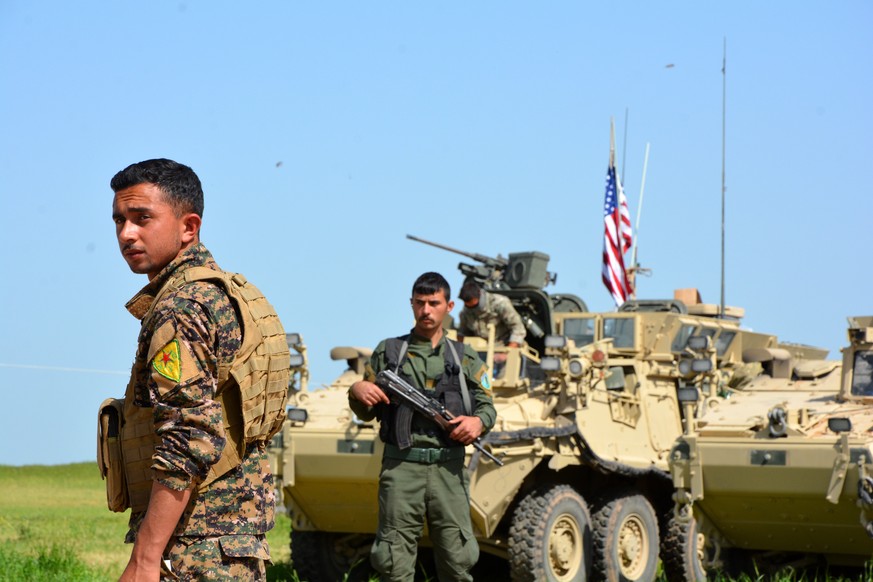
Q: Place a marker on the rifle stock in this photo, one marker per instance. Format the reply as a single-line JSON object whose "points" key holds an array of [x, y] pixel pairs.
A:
{"points": [[406, 393]]}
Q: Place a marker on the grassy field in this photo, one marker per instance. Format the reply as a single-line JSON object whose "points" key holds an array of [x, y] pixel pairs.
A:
{"points": [[55, 518], [54, 525]]}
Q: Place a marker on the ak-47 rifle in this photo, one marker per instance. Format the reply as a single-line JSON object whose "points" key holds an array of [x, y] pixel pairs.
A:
{"points": [[406, 393]]}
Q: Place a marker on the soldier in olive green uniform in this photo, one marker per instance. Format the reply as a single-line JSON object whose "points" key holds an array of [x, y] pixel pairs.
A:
{"points": [[216, 532], [423, 477]]}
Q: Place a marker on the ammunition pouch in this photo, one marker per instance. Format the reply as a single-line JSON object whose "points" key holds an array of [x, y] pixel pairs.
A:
{"points": [[109, 461]]}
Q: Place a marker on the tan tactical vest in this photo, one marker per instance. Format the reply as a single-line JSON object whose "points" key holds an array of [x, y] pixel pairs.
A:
{"points": [[252, 391]]}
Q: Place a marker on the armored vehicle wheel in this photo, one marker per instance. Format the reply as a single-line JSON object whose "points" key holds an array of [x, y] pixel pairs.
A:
{"points": [[683, 551], [550, 537], [625, 540], [330, 556]]}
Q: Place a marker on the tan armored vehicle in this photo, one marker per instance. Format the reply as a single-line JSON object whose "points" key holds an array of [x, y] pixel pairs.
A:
{"points": [[783, 467], [587, 415]]}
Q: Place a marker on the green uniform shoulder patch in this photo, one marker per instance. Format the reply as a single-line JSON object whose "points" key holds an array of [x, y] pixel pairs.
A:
{"points": [[168, 362]]}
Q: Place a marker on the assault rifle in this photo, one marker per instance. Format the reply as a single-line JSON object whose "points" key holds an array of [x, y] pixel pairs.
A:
{"points": [[406, 393]]}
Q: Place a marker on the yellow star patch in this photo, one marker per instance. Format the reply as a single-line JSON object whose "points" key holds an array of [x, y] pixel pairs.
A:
{"points": [[167, 362]]}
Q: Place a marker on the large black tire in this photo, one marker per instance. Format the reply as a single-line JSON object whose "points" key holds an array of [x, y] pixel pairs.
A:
{"points": [[682, 551], [550, 537], [328, 557], [625, 540]]}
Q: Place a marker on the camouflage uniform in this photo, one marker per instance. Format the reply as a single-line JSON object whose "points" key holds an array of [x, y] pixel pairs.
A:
{"points": [[497, 308], [221, 534], [412, 492]]}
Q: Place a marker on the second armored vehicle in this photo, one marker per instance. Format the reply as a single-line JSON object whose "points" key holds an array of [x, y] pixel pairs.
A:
{"points": [[784, 467]]}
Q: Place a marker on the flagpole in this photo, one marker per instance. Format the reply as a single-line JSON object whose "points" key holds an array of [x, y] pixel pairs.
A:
{"points": [[612, 141], [723, 188]]}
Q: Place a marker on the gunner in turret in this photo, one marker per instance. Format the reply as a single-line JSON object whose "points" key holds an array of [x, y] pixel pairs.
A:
{"points": [[482, 308]]}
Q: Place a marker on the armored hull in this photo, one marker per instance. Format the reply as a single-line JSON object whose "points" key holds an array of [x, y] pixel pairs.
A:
{"points": [[780, 469]]}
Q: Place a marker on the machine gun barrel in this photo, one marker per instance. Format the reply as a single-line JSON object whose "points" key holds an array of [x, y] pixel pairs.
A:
{"points": [[484, 259], [405, 392]]}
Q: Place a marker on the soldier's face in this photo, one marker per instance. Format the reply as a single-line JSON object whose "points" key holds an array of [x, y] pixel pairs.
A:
{"points": [[149, 233], [429, 312]]}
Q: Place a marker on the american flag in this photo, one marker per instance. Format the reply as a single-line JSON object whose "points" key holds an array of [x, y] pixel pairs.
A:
{"points": [[617, 237]]}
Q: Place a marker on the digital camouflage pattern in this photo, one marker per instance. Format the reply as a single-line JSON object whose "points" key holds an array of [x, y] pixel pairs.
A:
{"points": [[229, 558], [192, 331], [508, 326]]}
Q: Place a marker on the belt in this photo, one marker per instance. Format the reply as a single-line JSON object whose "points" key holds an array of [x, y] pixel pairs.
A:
{"points": [[427, 456]]}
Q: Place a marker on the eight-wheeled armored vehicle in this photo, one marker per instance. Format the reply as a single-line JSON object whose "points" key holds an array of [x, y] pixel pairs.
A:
{"points": [[780, 470], [588, 413]]}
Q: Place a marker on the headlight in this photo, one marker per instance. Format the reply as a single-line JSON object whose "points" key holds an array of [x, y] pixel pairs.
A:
{"points": [[700, 366], [685, 367], [550, 364], [555, 341], [685, 394], [298, 415], [576, 367], [296, 360], [293, 339]]}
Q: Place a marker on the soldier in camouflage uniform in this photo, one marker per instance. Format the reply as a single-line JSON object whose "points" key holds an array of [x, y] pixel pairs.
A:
{"points": [[482, 308], [188, 532], [423, 477]]}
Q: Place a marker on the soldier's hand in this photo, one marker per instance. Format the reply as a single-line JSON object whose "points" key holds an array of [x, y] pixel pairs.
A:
{"points": [[467, 429], [368, 393]]}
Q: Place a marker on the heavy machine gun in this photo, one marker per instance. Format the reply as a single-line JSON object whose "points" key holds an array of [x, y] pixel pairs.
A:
{"points": [[491, 270]]}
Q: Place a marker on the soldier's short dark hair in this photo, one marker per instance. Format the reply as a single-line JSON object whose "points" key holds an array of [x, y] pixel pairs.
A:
{"points": [[178, 182], [469, 290], [430, 283]]}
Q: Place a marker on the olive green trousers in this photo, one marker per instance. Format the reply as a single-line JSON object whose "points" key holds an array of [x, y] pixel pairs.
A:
{"points": [[412, 494]]}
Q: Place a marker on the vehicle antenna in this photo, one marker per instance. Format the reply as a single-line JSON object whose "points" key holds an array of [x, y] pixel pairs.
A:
{"points": [[624, 148], [640, 208], [723, 187], [635, 266]]}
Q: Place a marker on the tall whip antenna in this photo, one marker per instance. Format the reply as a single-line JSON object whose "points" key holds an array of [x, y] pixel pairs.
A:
{"points": [[639, 210], [624, 148], [723, 187]]}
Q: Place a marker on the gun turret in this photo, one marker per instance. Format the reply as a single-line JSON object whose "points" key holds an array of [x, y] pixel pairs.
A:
{"points": [[489, 273], [519, 271]]}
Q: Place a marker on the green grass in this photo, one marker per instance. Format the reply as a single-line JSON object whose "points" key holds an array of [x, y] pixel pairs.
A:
{"points": [[54, 525]]}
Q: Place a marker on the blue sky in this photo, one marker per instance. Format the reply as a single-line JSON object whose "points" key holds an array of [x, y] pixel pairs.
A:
{"points": [[325, 132]]}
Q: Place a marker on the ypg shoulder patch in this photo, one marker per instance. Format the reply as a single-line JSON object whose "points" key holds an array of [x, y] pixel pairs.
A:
{"points": [[167, 362]]}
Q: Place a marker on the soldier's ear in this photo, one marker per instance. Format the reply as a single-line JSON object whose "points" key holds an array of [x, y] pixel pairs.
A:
{"points": [[191, 228]]}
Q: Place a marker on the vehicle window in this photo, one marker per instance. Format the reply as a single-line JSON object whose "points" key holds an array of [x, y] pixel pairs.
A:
{"points": [[708, 331], [724, 341], [681, 338], [621, 330], [862, 374], [580, 331]]}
